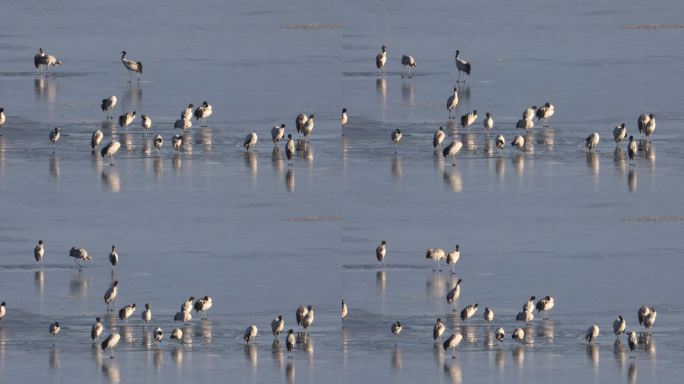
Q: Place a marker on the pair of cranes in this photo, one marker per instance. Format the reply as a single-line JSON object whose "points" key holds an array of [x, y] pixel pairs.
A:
{"points": [[43, 61]]}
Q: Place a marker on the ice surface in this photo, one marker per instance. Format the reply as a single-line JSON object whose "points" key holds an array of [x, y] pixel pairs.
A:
{"points": [[262, 237]]}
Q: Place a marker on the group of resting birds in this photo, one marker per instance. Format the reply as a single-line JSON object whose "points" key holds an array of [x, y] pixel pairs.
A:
{"points": [[646, 123], [304, 315], [646, 315]]}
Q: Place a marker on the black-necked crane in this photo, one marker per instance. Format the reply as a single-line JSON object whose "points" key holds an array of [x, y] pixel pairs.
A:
{"points": [[110, 294], [250, 333], [524, 316], [183, 316], [203, 112], [39, 251], [500, 142], [250, 141], [619, 133], [308, 127], [468, 119], [488, 315], [290, 342], [203, 304], [177, 142], [529, 113], [438, 330], [396, 330], [545, 304], [642, 120], [500, 334], [80, 255], [182, 124], [3, 310], [126, 119], [113, 257], [290, 148], [158, 142], [452, 150], [436, 255], [126, 312], [95, 140], [131, 66], [110, 342], [301, 311], [592, 333], [381, 59], [452, 257], [592, 141], [469, 311], [518, 143], [344, 119], [308, 319], [650, 318], [54, 330], [344, 311], [146, 315], [619, 326], [407, 61], [381, 252], [110, 150], [158, 335], [632, 149], [452, 102], [633, 341], [277, 134], [396, 138], [277, 326], [529, 304], [519, 335], [54, 137], [438, 138], [300, 120], [96, 329], [187, 304], [454, 294], [488, 122], [145, 122], [650, 126], [524, 123], [462, 66], [177, 334], [452, 342], [38, 59], [3, 118], [544, 113], [42, 59], [108, 105], [186, 114]]}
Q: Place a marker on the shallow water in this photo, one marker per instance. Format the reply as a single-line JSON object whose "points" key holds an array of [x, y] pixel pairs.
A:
{"points": [[262, 237]]}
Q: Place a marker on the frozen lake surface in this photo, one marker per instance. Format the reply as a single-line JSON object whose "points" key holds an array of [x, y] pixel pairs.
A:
{"points": [[263, 237]]}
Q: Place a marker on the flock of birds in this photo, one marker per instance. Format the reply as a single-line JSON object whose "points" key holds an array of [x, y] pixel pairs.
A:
{"points": [[646, 315], [305, 315], [304, 124]]}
